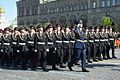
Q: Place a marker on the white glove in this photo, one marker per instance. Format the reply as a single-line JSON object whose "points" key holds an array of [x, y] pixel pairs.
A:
{"points": [[47, 50], [55, 49], [18, 51], [35, 50], [1, 50]]}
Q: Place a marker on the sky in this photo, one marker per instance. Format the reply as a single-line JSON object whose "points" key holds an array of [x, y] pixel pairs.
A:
{"points": [[10, 8]]}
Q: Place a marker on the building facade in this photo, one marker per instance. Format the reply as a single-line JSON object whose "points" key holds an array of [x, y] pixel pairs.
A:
{"points": [[66, 11]]}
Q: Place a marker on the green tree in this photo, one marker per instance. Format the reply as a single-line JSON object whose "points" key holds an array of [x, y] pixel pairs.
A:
{"points": [[117, 26], [106, 21]]}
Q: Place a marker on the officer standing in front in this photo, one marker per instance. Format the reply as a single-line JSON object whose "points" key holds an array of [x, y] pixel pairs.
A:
{"points": [[80, 48]]}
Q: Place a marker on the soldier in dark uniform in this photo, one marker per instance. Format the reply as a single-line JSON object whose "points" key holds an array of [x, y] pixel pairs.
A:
{"points": [[66, 44], [103, 44], [59, 45], [15, 46], [51, 48], [80, 49], [97, 44], [88, 47], [92, 43], [72, 42], [107, 43], [41, 43], [1, 45], [32, 54], [7, 48], [111, 41], [23, 47]]}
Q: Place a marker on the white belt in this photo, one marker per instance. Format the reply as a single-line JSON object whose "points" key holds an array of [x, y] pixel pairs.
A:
{"points": [[72, 41], [6, 43], [22, 43], [14, 42], [50, 42], [83, 41], [66, 41], [90, 40], [41, 42], [102, 40], [111, 38], [58, 41], [106, 39], [30, 42], [96, 39]]}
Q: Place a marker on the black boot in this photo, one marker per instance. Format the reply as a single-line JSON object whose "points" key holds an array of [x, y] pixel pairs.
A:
{"points": [[84, 70]]}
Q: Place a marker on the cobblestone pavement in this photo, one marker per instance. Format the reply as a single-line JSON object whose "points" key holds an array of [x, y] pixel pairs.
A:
{"points": [[104, 70]]}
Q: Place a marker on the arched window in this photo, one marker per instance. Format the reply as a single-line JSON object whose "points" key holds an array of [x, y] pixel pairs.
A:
{"points": [[53, 20], [28, 22], [21, 22], [114, 2], [72, 19], [34, 21], [62, 20]]}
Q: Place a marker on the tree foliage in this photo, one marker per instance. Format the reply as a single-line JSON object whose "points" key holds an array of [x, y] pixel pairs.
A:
{"points": [[106, 21]]}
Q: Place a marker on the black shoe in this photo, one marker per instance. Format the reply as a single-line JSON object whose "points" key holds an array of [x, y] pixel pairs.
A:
{"points": [[109, 58], [100, 59], [105, 58], [61, 66], [33, 69], [77, 63], [24, 68], [45, 70], [84, 70], [89, 61], [70, 68], [114, 57], [54, 68], [95, 60]]}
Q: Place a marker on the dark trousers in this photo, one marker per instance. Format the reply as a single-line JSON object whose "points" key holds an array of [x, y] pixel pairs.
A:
{"points": [[76, 56]]}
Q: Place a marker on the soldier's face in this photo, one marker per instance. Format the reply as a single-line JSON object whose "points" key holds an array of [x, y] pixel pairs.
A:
{"points": [[58, 28], [97, 30], [80, 28], [7, 31], [110, 29], [41, 29], [51, 29], [32, 30], [103, 30], [67, 29]]}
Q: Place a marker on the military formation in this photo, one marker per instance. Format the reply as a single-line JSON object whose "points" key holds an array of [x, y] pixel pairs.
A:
{"points": [[56, 46]]}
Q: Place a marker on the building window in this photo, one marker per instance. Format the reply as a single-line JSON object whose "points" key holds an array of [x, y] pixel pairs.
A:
{"points": [[108, 3], [34, 22], [94, 5], [28, 11], [103, 3], [113, 2]]}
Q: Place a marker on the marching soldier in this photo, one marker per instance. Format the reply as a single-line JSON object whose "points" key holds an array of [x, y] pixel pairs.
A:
{"points": [[88, 47], [32, 54], [72, 41], [23, 47], [59, 45], [7, 48], [97, 45], [15, 46], [111, 41], [1, 45], [107, 44], [51, 48], [41, 43], [80, 49], [103, 44], [66, 44]]}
